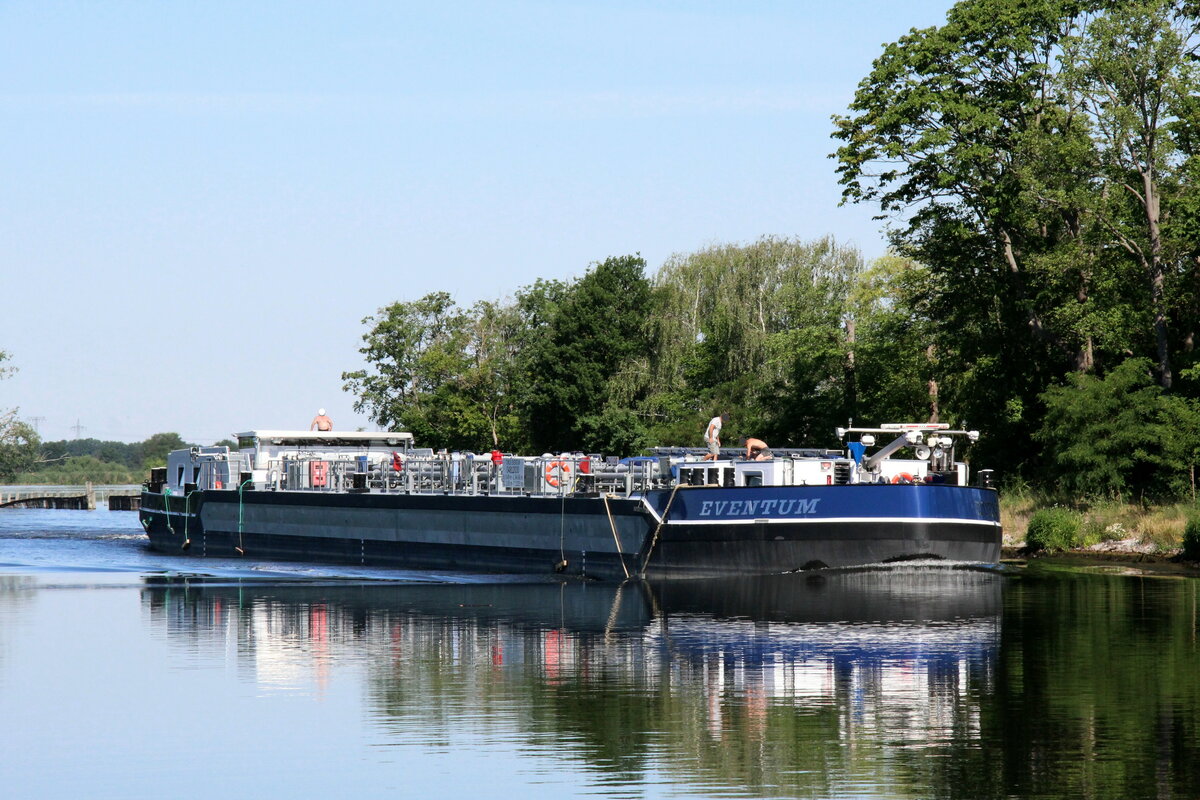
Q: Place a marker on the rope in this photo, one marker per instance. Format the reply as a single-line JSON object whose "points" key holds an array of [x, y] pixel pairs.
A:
{"points": [[612, 614], [241, 517], [562, 532], [187, 503], [167, 509], [657, 529], [613, 525]]}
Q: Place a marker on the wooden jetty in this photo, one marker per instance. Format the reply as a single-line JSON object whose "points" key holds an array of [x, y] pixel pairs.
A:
{"points": [[70, 497]]}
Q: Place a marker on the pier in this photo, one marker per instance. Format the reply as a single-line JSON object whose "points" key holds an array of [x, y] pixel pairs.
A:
{"points": [[83, 498]]}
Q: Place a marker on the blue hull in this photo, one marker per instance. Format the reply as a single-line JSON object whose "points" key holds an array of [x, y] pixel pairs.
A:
{"points": [[757, 530]]}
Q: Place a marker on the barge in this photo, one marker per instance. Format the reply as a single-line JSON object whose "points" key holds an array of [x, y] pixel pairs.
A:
{"points": [[376, 499]]}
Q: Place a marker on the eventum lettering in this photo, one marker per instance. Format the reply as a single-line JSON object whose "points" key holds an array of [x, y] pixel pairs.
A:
{"points": [[758, 508]]}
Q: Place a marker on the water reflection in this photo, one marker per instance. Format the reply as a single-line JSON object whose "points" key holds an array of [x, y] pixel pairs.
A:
{"points": [[779, 685], [16, 592]]}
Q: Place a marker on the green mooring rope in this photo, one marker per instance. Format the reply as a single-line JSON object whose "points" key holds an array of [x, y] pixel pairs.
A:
{"points": [[241, 514], [167, 509]]}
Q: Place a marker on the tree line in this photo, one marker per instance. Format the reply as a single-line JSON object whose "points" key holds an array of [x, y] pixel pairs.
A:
{"points": [[1037, 166], [616, 361], [135, 455]]}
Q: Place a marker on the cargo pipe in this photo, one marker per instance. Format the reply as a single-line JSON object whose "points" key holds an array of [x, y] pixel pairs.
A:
{"points": [[907, 438]]}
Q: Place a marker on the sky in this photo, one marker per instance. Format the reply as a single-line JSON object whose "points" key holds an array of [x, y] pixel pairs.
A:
{"points": [[202, 202]]}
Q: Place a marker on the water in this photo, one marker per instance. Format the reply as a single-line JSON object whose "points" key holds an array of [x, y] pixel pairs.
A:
{"points": [[125, 672]]}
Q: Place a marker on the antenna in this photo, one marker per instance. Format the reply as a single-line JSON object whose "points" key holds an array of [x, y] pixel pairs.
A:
{"points": [[78, 428], [36, 421]]}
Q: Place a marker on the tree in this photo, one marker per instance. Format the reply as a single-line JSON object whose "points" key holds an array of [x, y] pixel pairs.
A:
{"points": [[156, 448], [763, 331], [444, 374], [590, 347], [125, 453], [19, 442], [1134, 71], [19, 446], [1035, 159], [416, 351], [540, 371], [896, 370], [1120, 436]]}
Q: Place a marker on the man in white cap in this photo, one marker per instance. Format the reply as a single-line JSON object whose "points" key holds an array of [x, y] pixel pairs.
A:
{"points": [[321, 422]]}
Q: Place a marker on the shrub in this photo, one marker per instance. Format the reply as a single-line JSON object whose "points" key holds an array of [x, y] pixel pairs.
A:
{"points": [[1191, 539], [1053, 529], [1092, 531], [1120, 436]]}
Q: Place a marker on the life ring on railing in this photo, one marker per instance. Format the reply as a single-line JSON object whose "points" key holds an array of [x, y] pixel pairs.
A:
{"points": [[903, 477], [556, 471]]}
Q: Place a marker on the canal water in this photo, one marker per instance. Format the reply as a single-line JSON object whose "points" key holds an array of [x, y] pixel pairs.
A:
{"points": [[126, 673]]}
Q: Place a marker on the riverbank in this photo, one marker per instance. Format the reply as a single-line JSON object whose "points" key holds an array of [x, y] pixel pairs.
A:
{"points": [[1105, 526], [1115, 562], [1110, 534]]}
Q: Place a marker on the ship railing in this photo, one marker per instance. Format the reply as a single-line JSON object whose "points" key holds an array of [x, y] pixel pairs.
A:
{"points": [[469, 474]]}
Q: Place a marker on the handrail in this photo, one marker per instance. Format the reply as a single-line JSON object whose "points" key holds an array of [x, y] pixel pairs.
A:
{"points": [[466, 474]]}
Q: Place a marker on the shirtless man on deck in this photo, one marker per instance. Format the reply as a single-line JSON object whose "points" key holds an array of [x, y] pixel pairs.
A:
{"points": [[756, 449]]}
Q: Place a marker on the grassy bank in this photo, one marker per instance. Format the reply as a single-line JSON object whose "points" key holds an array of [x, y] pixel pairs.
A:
{"points": [[1105, 524]]}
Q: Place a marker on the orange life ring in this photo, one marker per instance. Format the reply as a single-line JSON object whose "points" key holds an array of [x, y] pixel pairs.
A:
{"points": [[555, 470], [903, 477]]}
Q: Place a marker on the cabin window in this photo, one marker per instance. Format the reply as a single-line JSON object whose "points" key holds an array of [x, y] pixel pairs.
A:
{"points": [[179, 477], [246, 443], [753, 478]]}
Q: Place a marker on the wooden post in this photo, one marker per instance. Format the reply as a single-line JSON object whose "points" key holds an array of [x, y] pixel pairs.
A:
{"points": [[91, 497]]}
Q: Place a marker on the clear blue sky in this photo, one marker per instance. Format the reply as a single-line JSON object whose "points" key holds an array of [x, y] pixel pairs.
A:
{"points": [[201, 201]]}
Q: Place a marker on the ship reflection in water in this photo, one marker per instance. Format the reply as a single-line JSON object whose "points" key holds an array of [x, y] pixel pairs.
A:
{"points": [[797, 684]]}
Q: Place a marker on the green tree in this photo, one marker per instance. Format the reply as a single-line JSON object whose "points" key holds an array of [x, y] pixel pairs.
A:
{"points": [[591, 345], [493, 378], [155, 449], [897, 376], [1133, 72], [764, 330], [416, 351], [1033, 156], [938, 128], [1121, 435], [128, 454], [19, 446], [445, 374], [19, 442]]}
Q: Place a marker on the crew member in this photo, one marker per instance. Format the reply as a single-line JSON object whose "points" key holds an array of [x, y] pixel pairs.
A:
{"points": [[712, 436], [321, 422], [756, 449]]}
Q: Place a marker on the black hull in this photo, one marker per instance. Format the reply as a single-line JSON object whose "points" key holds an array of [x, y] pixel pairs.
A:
{"points": [[707, 551], [501, 535], [577, 536]]}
